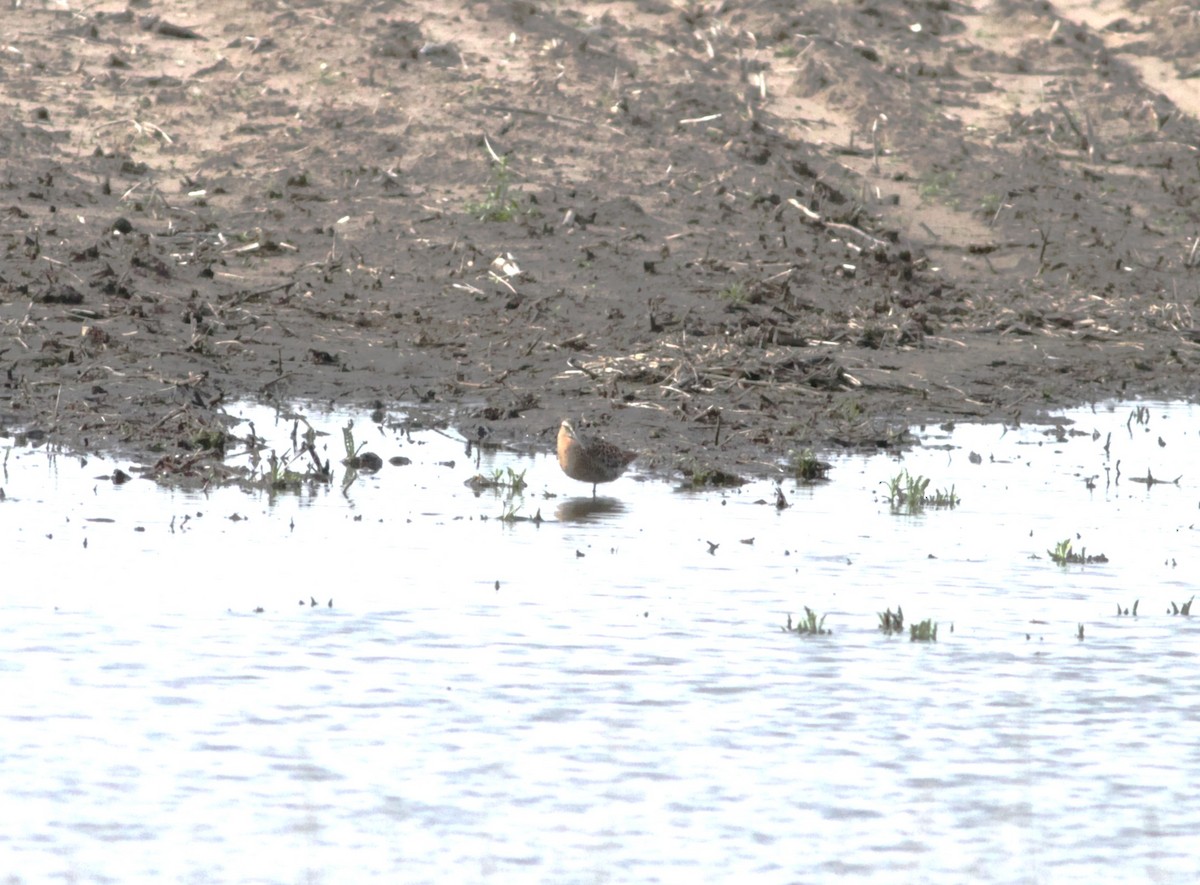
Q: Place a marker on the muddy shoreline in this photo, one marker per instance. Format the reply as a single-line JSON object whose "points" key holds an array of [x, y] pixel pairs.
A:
{"points": [[718, 235]]}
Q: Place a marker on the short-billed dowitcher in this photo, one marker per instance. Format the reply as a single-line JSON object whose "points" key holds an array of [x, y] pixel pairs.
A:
{"points": [[590, 460]]}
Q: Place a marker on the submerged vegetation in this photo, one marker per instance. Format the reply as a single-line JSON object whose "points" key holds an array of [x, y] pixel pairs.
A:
{"points": [[907, 494], [1063, 554], [892, 623], [807, 467], [809, 625], [925, 631], [1185, 609], [509, 483]]}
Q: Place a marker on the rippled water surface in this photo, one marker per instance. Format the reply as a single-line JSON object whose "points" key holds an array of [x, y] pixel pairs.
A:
{"points": [[608, 696]]}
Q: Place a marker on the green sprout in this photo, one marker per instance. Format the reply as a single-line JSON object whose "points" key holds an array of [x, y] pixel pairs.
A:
{"points": [[807, 467], [907, 494], [1063, 554], [498, 204], [926, 631], [891, 623], [809, 625]]}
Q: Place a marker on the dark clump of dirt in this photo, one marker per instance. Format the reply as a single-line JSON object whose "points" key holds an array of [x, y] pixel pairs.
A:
{"points": [[723, 232]]}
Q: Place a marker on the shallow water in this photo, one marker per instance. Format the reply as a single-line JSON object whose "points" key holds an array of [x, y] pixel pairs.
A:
{"points": [[623, 704]]}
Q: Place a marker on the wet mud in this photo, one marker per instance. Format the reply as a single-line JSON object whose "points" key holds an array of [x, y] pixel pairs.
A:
{"points": [[721, 234]]}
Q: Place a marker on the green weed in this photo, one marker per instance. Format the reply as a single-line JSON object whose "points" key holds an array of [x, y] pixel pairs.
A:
{"points": [[907, 494], [1063, 554], [498, 204], [926, 631], [1185, 609], [892, 623], [806, 466], [735, 293], [809, 625]]}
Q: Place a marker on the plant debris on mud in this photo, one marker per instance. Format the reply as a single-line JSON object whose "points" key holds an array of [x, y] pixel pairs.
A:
{"points": [[728, 231]]}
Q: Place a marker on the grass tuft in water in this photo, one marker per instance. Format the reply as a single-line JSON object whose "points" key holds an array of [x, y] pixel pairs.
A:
{"points": [[892, 623], [356, 459], [907, 494], [807, 467], [1185, 609], [1063, 554], [926, 631], [809, 625]]}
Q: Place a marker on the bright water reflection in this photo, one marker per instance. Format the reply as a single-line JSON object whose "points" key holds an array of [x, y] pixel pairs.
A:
{"points": [[624, 706]]}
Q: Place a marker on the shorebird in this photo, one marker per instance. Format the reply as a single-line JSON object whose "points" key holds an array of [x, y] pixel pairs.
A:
{"points": [[590, 460]]}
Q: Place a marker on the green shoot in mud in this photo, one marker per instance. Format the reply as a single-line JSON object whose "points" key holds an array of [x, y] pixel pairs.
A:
{"points": [[279, 476], [509, 479], [809, 625], [937, 185], [926, 631], [327, 76], [356, 459], [498, 203], [348, 441], [700, 477], [906, 494], [735, 294], [512, 485], [807, 467]]}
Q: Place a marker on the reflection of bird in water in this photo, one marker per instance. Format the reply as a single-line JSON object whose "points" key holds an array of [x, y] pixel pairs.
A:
{"points": [[590, 460]]}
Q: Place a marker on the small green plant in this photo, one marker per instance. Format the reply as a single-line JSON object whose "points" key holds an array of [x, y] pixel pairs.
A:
{"points": [[326, 76], [1185, 609], [849, 410], [990, 204], [809, 625], [735, 293], [348, 442], [702, 476], [906, 494], [278, 474], [1063, 554], [498, 204], [926, 631], [1127, 611], [509, 479], [892, 623], [506, 479], [512, 514], [807, 467], [937, 185]]}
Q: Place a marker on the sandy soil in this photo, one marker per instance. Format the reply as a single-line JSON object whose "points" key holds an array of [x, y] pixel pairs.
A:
{"points": [[720, 232]]}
